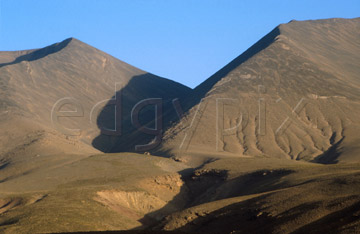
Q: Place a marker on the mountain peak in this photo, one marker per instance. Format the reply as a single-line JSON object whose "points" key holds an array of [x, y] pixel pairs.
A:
{"points": [[316, 61], [35, 54], [71, 40]]}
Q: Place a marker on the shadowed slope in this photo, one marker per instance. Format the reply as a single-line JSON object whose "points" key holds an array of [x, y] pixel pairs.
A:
{"points": [[140, 88]]}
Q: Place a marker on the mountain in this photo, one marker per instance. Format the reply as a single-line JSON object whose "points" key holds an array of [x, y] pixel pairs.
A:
{"points": [[295, 94], [71, 76], [78, 81], [268, 144]]}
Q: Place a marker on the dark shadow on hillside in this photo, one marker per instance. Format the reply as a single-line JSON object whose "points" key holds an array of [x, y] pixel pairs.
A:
{"points": [[139, 89], [240, 217], [39, 53], [149, 86], [203, 186], [332, 154], [334, 222]]}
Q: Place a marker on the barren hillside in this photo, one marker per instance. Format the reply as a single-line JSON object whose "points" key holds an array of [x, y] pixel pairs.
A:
{"points": [[38, 85], [268, 144], [295, 94]]}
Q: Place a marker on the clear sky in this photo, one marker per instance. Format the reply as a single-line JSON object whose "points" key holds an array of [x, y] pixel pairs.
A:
{"points": [[184, 40]]}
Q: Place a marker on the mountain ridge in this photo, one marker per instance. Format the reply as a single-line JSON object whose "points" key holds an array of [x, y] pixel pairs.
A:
{"points": [[269, 143], [294, 41]]}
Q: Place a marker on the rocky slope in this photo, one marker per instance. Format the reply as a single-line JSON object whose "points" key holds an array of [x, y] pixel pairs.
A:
{"points": [[295, 94]]}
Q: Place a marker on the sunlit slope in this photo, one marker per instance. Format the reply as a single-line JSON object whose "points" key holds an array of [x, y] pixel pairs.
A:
{"points": [[295, 94]]}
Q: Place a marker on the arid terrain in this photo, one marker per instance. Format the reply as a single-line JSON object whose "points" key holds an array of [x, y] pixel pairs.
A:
{"points": [[268, 144]]}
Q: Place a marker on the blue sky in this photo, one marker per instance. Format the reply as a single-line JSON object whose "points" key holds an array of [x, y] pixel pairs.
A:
{"points": [[183, 40]]}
